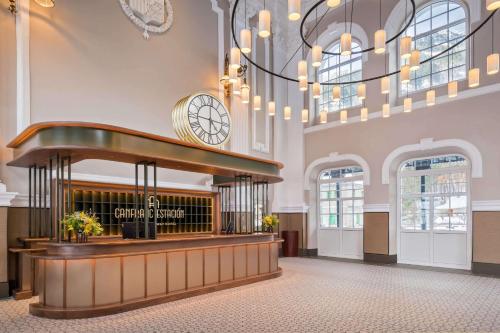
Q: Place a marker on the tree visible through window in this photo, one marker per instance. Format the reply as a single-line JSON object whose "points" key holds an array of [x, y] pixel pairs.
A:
{"points": [[436, 27]]}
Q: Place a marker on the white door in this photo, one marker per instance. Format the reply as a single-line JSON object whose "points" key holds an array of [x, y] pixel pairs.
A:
{"points": [[434, 213], [340, 232]]}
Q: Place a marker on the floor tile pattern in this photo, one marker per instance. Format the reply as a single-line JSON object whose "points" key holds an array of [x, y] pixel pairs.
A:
{"points": [[313, 295]]}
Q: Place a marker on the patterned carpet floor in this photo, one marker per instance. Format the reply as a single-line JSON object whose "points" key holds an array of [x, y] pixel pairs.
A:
{"points": [[313, 295]]}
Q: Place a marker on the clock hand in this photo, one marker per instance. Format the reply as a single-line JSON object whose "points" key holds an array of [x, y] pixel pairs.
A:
{"points": [[215, 121]]}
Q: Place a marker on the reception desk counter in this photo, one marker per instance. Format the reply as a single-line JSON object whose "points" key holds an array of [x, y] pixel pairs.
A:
{"points": [[105, 277]]}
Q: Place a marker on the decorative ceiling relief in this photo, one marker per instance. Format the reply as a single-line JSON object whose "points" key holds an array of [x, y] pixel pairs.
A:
{"points": [[151, 15]]}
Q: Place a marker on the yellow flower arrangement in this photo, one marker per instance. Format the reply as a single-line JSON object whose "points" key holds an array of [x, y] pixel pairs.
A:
{"points": [[270, 221], [82, 223]]}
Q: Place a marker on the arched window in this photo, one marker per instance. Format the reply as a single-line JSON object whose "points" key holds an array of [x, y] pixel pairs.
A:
{"points": [[340, 69], [341, 198], [437, 26]]}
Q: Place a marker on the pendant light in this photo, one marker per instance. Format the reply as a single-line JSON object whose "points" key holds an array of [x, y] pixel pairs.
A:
{"points": [[364, 114], [474, 71], [386, 110], [245, 92], [264, 22], [346, 38], [415, 60], [323, 116], [492, 4], [246, 41], [302, 69], [293, 10], [452, 89], [271, 108], [385, 83], [431, 97], [405, 42], [336, 93], [333, 3], [361, 91], [237, 87], [493, 60], [305, 115], [287, 113], [316, 90], [317, 51], [303, 84], [235, 58], [257, 103], [233, 75], [343, 116], [407, 104], [380, 35], [405, 74]]}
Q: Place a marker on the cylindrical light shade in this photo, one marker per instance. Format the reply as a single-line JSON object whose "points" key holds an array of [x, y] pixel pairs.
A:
{"points": [[333, 3], [305, 115], [316, 90], [264, 23], [345, 44], [287, 113], [303, 85], [405, 47], [336, 93], [452, 89], [45, 3], [245, 93], [361, 91], [415, 60], [257, 105], [386, 110], [431, 97], [246, 41], [493, 63], [271, 108], [364, 114], [237, 87], [405, 74], [317, 55], [235, 57], [474, 77], [293, 10], [407, 104], [492, 4], [323, 116], [385, 85], [380, 39], [233, 74], [302, 69], [343, 116]]}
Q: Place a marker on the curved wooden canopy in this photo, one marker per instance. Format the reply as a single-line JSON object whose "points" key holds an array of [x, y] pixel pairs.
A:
{"points": [[81, 141]]}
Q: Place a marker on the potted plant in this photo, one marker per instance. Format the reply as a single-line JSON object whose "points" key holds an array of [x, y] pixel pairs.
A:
{"points": [[269, 222], [82, 225]]}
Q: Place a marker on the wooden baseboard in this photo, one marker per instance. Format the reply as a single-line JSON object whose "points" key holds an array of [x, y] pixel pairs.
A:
{"points": [[22, 294], [4, 289], [308, 252], [380, 258], [486, 269], [40, 310]]}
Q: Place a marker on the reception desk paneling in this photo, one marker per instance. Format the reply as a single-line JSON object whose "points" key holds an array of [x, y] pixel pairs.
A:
{"points": [[74, 287]]}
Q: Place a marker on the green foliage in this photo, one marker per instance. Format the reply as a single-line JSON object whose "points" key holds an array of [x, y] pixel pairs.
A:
{"points": [[270, 221], [81, 222]]}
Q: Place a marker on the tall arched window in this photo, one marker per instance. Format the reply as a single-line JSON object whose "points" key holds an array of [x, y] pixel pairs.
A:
{"points": [[437, 26], [340, 69]]}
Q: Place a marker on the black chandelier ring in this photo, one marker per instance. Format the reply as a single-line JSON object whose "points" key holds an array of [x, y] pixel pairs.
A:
{"points": [[470, 34], [309, 12]]}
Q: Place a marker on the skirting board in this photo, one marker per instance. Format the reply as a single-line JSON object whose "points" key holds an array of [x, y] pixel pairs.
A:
{"points": [[380, 258], [308, 252], [4, 289], [486, 269]]}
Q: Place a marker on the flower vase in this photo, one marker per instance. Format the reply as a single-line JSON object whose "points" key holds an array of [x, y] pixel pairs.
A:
{"points": [[270, 229], [69, 236]]}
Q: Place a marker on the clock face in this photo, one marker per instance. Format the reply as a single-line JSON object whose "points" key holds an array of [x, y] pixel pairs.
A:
{"points": [[208, 120]]}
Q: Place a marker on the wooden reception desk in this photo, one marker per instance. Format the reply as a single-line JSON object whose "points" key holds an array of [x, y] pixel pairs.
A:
{"points": [[105, 277]]}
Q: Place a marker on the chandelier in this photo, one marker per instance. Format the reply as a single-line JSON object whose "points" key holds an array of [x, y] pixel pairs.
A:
{"points": [[411, 58]]}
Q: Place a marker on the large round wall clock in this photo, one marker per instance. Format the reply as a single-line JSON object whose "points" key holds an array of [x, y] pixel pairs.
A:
{"points": [[202, 119]]}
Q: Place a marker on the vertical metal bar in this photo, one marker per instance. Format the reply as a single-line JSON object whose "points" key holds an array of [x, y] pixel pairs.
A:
{"points": [[246, 208], [136, 200], [56, 205], [39, 231], [70, 208], [45, 219], [146, 208], [51, 200], [29, 201], [35, 210], [61, 198], [155, 190]]}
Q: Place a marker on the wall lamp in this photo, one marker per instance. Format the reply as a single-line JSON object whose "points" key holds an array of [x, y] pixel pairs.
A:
{"points": [[43, 3], [232, 75]]}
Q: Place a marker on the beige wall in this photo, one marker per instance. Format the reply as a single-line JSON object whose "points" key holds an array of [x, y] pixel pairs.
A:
{"points": [[89, 62]]}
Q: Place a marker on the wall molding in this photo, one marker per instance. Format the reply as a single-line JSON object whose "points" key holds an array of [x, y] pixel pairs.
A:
{"points": [[317, 165], [486, 206], [471, 152], [6, 197], [23, 93], [376, 208], [220, 32], [292, 209], [395, 110]]}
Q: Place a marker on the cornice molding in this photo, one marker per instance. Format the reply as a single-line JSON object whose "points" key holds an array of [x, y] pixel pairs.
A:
{"points": [[486, 206]]}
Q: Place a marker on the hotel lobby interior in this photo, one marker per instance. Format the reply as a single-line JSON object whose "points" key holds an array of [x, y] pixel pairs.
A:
{"points": [[249, 166]]}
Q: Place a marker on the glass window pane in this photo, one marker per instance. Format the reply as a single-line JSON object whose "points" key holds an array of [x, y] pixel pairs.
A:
{"points": [[415, 214], [347, 221]]}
